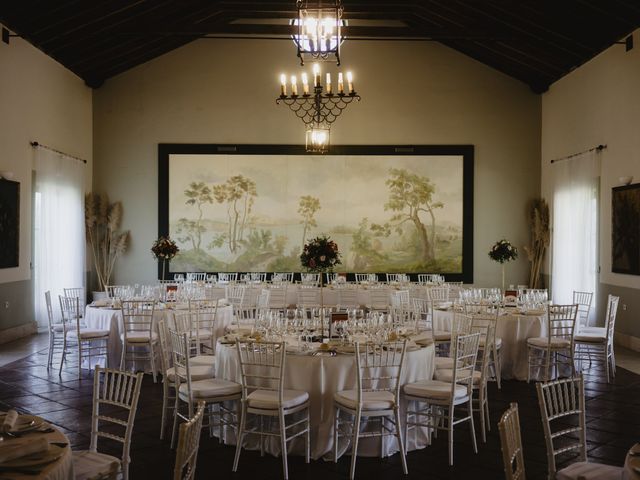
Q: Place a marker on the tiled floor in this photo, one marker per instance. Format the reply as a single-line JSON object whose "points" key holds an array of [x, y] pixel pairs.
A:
{"points": [[12, 351], [613, 417]]}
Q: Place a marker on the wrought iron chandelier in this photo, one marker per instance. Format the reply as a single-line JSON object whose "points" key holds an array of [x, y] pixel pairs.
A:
{"points": [[318, 29], [320, 108]]}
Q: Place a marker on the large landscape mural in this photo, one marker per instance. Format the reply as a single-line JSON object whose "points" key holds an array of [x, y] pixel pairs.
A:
{"points": [[234, 212]]}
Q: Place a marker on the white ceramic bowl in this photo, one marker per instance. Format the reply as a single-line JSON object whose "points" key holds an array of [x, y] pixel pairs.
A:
{"points": [[625, 180]]}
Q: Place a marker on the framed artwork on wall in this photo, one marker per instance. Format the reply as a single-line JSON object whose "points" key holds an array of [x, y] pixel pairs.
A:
{"points": [[244, 208], [9, 223], [625, 229]]}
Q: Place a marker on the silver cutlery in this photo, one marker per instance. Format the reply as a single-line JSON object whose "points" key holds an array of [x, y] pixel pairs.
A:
{"points": [[19, 434]]}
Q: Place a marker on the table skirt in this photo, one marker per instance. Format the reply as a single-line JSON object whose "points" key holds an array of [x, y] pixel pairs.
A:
{"points": [[321, 377], [514, 330]]}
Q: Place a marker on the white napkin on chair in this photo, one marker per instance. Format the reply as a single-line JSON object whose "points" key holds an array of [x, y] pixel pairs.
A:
{"points": [[11, 450], [9, 422]]}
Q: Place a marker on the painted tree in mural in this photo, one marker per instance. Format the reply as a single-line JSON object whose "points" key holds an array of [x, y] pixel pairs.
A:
{"points": [[189, 231], [410, 195], [239, 193], [307, 208], [362, 248], [197, 194]]}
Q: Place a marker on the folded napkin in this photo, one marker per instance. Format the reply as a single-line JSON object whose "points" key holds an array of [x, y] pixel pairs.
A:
{"points": [[420, 337], [9, 422], [13, 449], [411, 345], [104, 302], [360, 338], [223, 302], [444, 305]]}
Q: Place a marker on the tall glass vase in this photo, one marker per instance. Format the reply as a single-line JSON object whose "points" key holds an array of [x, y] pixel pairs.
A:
{"points": [[502, 277], [322, 313]]}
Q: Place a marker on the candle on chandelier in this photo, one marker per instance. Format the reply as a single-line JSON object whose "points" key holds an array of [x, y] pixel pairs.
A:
{"points": [[305, 84], [316, 75], [328, 83], [283, 85], [294, 85], [340, 83], [350, 82]]}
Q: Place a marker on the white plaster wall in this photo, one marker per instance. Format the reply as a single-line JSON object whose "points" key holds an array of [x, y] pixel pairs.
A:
{"points": [[599, 103], [223, 91], [43, 101]]}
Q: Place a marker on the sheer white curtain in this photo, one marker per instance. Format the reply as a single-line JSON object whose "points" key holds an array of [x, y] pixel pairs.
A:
{"points": [[575, 226], [58, 228]]}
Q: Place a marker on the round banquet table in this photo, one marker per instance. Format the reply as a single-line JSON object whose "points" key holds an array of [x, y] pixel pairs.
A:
{"points": [[60, 469], [321, 377], [631, 469], [106, 318], [514, 329]]}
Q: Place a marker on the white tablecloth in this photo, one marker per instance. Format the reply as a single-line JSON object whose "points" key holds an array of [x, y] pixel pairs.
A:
{"points": [[111, 319], [321, 377], [632, 464], [61, 469], [514, 330]]}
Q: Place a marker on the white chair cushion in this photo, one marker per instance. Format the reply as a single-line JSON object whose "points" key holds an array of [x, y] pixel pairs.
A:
{"points": [[441, 336], [57, 327], [198, 372], [588, 337], [268, 399], [444, 362], [434, 389], [239, 329], [593, 330], [543, 342], [211, 388], [589, 471], [140, 337], [446, 375], [381, 400], [88, 333], [206, 360], [88, 464]]}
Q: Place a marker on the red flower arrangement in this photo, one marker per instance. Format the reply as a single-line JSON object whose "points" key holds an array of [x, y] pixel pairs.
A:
{"points": [[320, 254], [164, 248]]}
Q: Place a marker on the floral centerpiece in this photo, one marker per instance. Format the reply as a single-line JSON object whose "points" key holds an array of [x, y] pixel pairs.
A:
{"points": [[503, 252], [320, 255], [164, 249]]}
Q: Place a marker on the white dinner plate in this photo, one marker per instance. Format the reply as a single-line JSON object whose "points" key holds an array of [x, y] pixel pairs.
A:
{"points": [[25, 422], [35, 459]]}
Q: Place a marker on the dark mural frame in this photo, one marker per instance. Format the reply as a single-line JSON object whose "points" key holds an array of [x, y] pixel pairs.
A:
{"points": [[9, 223], [625, 229], [165, 150]]}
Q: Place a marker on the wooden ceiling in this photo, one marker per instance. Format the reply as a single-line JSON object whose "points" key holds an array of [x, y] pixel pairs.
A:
{"points": [[535, 41]]}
